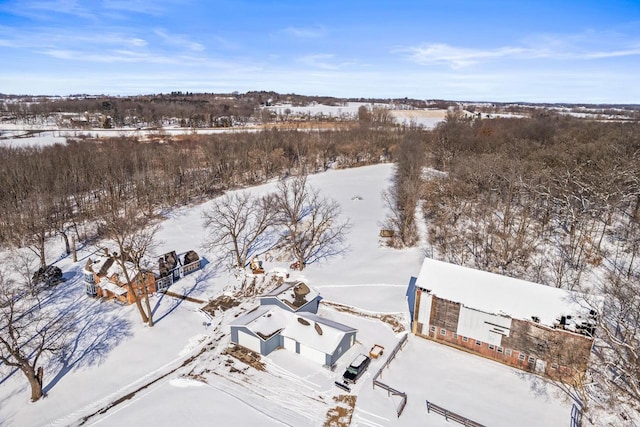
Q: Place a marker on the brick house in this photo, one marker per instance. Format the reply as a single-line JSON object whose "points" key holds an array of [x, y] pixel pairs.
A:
{"points": [[104, 278], [525, 325]]}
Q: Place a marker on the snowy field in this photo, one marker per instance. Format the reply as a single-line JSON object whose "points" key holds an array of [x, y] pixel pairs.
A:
{"points": [[427, 119], [26, 138], [177, 372]]}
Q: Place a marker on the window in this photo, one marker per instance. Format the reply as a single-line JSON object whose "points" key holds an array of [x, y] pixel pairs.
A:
{"points": [[492, 347], [499, 349], [554, 366], [508, 352], [433, 329], [521, 357], [478, 342], [465, 339], [455, 336], [443, 331], [532, 359]]}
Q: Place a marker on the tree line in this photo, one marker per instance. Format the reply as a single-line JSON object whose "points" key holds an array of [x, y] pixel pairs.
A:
{"points": [[65, 190]]}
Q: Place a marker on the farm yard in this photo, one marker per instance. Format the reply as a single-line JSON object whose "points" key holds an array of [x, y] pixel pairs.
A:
{"points": [[122, 372]]}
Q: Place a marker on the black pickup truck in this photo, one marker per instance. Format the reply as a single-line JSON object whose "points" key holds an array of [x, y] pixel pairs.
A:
{"points": [[356, 369]]}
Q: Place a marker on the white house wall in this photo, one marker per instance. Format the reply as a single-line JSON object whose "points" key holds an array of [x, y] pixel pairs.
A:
{"points": [[289, 344], [483, 326], [249, 341], [313, 354]]}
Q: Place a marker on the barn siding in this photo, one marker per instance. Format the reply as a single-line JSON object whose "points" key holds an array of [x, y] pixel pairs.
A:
{"points": [[444, 314], [563, 353]]}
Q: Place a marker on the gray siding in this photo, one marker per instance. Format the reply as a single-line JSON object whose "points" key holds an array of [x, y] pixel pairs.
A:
{"points": [[341, 348], [266, 347], [271, 344]]}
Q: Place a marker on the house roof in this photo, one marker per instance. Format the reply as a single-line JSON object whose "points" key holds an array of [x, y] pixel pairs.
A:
{"points": [[497, 294], [306, 328], [112, 287], [265, 321], [105, 266], [294, 294]]}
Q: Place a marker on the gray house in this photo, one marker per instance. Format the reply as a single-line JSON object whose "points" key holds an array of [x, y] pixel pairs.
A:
{"points": [[293, 297], [270, 327]]}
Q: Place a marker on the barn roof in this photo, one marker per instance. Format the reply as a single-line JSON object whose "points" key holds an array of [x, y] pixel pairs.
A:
{"points": [[497, 294]]}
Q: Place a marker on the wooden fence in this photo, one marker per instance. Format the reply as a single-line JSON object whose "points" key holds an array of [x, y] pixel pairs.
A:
{"points": [[448, 415], [390, 390]]}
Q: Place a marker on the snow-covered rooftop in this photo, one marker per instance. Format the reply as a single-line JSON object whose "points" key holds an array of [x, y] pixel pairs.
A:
{"points": [[294, 294], [105, 266], [112, 287], [306, 328], [497, 294]]}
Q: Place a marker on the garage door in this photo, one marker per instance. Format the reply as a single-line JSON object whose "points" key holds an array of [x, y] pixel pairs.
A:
{"points": [[313, 354], [249, 341], [290, 344]]}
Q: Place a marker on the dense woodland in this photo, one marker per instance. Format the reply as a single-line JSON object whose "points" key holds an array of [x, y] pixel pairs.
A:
{"points": [[545, 199]]}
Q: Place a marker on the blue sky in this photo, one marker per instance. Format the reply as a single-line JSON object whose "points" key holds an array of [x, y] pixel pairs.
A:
{"points": [[538, 51]]}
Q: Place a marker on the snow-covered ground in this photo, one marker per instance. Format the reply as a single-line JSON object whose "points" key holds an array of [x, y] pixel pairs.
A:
{"points": [[348, 110], [427, 119], [116, 356], [24, 138]]}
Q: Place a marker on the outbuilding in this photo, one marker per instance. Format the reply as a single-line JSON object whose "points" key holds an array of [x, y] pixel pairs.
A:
{"points": [[269, 327], [526, 325]]}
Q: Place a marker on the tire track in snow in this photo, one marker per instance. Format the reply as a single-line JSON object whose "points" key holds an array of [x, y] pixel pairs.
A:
{"points": [[81, 415]]}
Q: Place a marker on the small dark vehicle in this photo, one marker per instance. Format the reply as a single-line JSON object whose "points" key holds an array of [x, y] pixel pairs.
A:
{"points": [[47, 277], [356, 369]]}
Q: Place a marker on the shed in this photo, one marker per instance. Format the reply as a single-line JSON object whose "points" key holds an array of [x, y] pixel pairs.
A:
{"points": [[516, 322]]}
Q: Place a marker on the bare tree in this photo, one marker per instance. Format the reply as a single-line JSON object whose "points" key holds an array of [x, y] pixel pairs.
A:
{"points": [[239, 223], [314, 230], [30, 330], [616, 369], [134, 239]]}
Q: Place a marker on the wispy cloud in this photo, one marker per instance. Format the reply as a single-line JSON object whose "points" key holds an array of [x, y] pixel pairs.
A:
{"points": [[576, 47], [45, 10], [325, 61], [458, 57], [56, 38], [147, 7], [179, 40], [305, 32], [135, 58]]}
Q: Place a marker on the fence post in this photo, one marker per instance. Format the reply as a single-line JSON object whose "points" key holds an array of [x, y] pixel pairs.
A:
{"points": [[428, 408]]}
